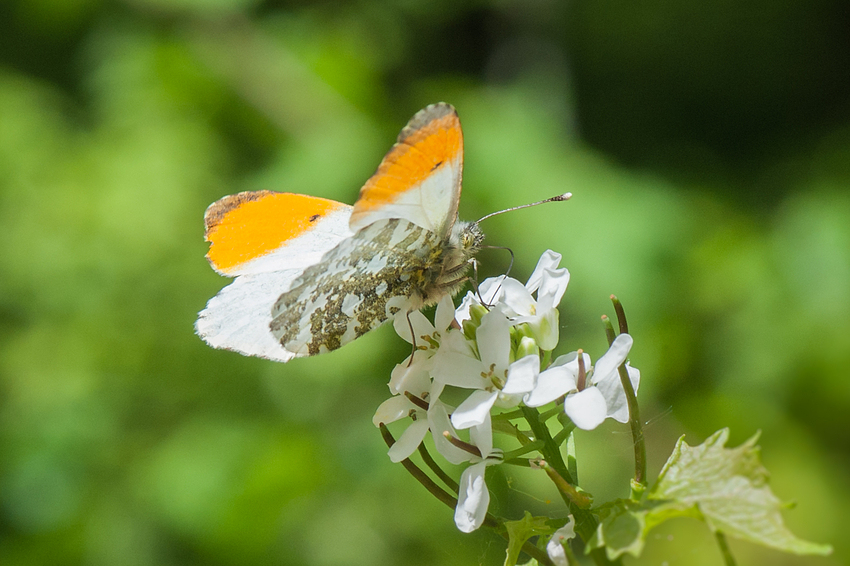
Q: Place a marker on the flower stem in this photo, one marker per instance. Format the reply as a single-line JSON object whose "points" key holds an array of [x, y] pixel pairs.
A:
{"points": [[550, 450], [586, 522], [621, 315], [429, 461], [728, 559], [530, 447], [638, 440], [578, 498], [634, 422], [565, 432], [427, 482]]}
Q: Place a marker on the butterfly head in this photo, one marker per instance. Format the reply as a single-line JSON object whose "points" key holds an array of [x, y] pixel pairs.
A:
{"points": [[468, 236]]}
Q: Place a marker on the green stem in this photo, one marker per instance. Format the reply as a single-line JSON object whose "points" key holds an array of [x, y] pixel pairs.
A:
{"points": [[634, 422], [550, 450], [728, 559], [571, 456], [586, 522], [564, 434], [530, 447], [558, 409], [638, 441], [578, 498]]}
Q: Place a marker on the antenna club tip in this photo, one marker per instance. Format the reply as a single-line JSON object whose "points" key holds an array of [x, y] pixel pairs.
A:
{"points": [[565, 196]]}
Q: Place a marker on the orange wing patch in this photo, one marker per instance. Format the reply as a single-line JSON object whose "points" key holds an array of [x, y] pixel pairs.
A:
{"points": [[249, 225], [430, 140]]}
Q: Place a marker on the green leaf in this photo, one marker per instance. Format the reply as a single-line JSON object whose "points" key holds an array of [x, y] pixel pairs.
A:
{"points": [[728, 487], [725, 487], [522, 530], [622, 529]]}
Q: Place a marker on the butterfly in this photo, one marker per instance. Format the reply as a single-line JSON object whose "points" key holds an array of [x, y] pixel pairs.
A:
{"points": [[312, 274]]}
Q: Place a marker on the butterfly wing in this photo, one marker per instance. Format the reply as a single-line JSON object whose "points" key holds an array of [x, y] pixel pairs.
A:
{"points": [[356, 287], [419, 179], [262, 231], [265, 239]]}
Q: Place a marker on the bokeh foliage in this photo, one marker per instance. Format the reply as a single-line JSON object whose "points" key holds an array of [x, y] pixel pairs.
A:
{"points": [[708, 149]]}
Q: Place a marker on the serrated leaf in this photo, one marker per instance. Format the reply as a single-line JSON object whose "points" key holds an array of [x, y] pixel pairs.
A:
{"points": [[522, 530], [728, 487]]}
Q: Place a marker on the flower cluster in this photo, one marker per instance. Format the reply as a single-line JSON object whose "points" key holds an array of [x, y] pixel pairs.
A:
{"points": [[496, 346]]}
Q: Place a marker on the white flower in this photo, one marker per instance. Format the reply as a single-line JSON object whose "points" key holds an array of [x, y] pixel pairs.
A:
{"points": [[493, 377], [436, 419], [549, 283], [456, 364], [555, 548], [396, 408], [515, 300], [428, 338], [604, 396], [473, 497], [555, 381]]}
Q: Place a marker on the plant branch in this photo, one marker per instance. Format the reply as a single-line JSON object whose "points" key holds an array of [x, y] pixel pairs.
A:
{"points": [[728, 559], [638, 441]]}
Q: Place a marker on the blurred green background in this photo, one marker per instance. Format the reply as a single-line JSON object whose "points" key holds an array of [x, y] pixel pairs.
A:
{"points": [[708, 148]]}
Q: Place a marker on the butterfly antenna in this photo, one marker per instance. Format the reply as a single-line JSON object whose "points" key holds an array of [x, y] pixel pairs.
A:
{"points": [[559, 198]]}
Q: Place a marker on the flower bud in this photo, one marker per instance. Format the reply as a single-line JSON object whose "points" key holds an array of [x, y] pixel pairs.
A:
{"points": [[527, 347]]}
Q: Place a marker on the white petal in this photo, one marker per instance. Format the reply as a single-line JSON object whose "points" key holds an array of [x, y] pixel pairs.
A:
{"points": [[549, 260], [414, 376], [475, 410], [552, 287], [554, 548], [438, 420], [615, 397], [482, 436], [462, 311], [587, 408], [445, 314], [494, 340], [613, 358], [454, 341], [634, 376], [545, 329], [522, 375], [392, 409], [517, 298], [455, 369], [473, 498], [409, 440], [551, 384], [421, 327], [489, 289]]}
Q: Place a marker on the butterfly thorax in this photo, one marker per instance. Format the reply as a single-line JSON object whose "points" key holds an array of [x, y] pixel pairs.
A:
{"points": [[451, 265]]}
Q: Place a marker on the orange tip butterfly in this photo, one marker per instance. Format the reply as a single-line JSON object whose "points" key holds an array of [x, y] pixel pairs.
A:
{"points": [[313, 274]]}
